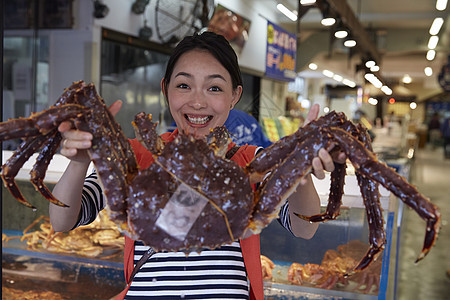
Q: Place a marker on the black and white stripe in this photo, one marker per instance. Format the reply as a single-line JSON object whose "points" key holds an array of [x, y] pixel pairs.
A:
{"points": [[210, 274]]}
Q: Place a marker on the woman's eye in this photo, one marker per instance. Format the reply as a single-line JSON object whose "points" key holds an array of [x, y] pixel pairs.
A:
{"points": [[182, 86], [215, 89]]}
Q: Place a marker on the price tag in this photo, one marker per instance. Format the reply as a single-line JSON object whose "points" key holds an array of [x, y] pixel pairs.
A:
{"points": [[181, 212]]}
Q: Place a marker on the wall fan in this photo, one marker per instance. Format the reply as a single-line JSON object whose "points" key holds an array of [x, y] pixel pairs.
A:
{"points": [[176, 19]]}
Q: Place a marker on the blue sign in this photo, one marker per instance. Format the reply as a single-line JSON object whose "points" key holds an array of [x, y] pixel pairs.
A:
{"points": [[281, 53]]}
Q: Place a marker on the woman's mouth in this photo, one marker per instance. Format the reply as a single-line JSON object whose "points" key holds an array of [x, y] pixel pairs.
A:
{"points": [[198, 120]]}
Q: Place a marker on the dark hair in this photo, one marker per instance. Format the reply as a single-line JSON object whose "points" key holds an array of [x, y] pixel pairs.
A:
{"points": [[215, 44]]}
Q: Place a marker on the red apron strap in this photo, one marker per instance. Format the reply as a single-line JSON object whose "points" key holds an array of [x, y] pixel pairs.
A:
{"points": [[128, 264], [252, 259]]}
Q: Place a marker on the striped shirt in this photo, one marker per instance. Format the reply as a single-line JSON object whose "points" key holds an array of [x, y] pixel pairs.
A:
{"points": [[211, 274]]}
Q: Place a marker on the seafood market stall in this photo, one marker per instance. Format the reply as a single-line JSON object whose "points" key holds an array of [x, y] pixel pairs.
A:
{"points": [[37, 263], [313, 269]]}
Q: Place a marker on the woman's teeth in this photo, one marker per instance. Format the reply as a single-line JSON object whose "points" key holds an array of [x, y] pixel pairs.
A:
{"points": [[201, 120]]}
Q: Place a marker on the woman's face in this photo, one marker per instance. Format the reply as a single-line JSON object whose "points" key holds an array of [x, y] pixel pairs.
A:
{"points": [[200, 93]]}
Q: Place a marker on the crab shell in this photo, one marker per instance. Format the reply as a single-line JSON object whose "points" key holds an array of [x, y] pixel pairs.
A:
{"points": [[210, 194]]}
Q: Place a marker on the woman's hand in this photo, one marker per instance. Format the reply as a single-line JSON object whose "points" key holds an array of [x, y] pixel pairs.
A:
{"points": [[75, 142], [324, 161]]}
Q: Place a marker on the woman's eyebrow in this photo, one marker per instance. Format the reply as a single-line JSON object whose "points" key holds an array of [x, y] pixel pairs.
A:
{"points": [[183, 74], [212, 76]]}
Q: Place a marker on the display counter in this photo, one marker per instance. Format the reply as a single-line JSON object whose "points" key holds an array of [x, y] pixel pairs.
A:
{"points": [[37, 275]]}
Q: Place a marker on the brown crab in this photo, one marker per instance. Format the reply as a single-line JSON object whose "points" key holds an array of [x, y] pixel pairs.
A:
{"points": [[191, 175]]}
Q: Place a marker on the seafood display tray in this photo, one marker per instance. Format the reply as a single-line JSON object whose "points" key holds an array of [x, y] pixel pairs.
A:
{"points": [[284, 249], [67, 276]]}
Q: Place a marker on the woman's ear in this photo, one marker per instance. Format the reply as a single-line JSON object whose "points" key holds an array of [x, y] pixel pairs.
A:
{"points": [[162, 88], [236, 96]]}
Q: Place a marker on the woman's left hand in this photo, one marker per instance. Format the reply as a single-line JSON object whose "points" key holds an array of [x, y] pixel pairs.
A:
{"points": [[324, 161]]}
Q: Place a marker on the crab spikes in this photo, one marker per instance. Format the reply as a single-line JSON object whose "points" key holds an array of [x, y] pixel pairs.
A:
{"points": [[39, 123]]}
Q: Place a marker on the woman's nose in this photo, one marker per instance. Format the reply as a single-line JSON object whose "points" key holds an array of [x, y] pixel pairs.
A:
{"points": [[198, 101]]}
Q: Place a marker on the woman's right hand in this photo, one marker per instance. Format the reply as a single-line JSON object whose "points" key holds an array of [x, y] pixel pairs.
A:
{"points": [[75, 142]]}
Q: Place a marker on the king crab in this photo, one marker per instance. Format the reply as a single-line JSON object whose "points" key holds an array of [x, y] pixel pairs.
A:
{"points": [[193, 174]]}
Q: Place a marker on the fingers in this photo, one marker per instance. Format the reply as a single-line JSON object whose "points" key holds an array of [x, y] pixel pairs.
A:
{"points": [[323, 162], [312, 114], [115, 107], [75, 140]]}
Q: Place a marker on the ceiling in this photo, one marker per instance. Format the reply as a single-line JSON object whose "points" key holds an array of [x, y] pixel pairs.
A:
{"points": [[398, 29]]}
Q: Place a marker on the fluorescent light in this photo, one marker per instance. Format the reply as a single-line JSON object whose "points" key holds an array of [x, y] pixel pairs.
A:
{"points": [[441, 4], [350, 43], [328, 21], [406, 78], [370, 63], [349, 83], [287, 12], [307, 2], [340, 34], [431, 54], [374, 69], [428, 71], [328, 73], [338, 77], [372, 101], [433, 41], [385, 89], [436, 26], [312, 66]]}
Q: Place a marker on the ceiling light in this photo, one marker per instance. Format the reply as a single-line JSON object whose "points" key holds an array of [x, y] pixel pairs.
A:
{"points": [[100, 9], [139, 6], [431, 54], [338, 77], [413, 105], [372, 101], [307, 2], [287, 12], [441, 4], [327, 73], [436, 26], [349, 83], [374, 69], [385, 89], [312, 66], [328, 21], [428, 71], [370, 63], [350, 42], [341, 33], [406, 79], [433, 41]]}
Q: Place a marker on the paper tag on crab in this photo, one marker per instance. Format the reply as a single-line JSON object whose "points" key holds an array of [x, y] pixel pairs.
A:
{"points": [[181, 212]]}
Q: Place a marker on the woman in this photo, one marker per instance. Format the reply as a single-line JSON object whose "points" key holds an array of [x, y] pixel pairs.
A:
{"points": [[202, 84]]}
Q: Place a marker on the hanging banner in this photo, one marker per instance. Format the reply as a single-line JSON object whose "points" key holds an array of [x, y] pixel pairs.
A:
{"points": [[281, 53]]}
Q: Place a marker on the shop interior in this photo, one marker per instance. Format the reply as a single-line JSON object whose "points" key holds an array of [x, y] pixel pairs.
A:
{"points": [[385, 64]]}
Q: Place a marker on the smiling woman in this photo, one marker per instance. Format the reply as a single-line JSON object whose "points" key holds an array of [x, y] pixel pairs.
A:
{"points": [[202, 83]]}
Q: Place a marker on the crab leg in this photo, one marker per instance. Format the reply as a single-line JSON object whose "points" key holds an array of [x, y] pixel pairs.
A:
{"points": [[16, 161], [145, 130], [113, 162], [366, 163], [335, 197], [279, 186], [41, 165], [273, 155], [38, 123]]}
